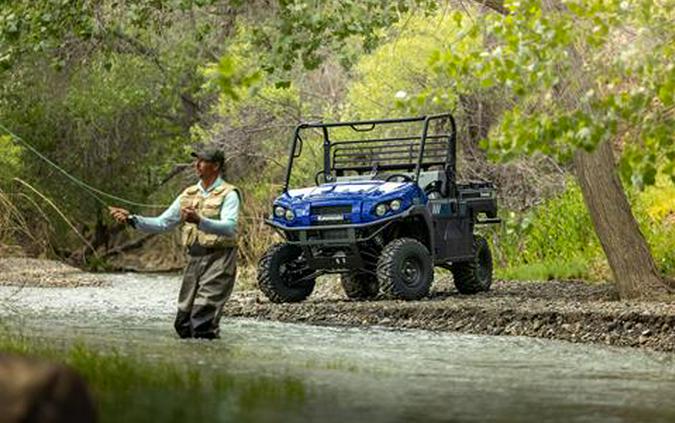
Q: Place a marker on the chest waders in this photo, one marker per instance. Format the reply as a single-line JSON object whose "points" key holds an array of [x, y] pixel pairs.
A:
{"points": [[209, 276]]}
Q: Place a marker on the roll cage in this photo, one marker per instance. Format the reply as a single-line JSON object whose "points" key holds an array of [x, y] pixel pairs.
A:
{"points": [[402, 152]]}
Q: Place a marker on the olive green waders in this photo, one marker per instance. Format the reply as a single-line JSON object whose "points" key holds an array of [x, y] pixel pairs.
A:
{"points": [[207, 284]]}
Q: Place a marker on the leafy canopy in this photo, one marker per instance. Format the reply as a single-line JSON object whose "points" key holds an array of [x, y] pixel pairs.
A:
{"points": [[583, 73]]}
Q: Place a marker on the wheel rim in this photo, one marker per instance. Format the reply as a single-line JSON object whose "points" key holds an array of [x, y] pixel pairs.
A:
{"points": [[291, 271], [411, 271], [284, 274]]}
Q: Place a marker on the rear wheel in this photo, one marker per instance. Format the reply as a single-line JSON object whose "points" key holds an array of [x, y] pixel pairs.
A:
{"points": [[405, 269], [475, 275], [359, 285], [283, 276]]}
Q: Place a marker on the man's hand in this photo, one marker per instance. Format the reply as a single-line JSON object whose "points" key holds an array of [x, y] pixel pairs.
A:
{"points": [[190, 215], [119, 214]]}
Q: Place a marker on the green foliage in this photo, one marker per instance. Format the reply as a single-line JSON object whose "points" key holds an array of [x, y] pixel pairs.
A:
{"points": [[569, 269], [306, 31], [398, 73], [556, 239], [655, 208], [10, 158], [588, 72], [231, 78], [37, 27], [558, 231], [117, 109]]}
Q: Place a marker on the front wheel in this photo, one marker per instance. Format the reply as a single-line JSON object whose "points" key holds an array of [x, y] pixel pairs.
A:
{"points": [[283, 276], [405, 270], [475, 275]]}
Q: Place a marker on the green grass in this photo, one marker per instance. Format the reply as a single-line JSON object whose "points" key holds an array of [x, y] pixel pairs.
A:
{"points": [[556, 239], [542, 271], [130, 389]]}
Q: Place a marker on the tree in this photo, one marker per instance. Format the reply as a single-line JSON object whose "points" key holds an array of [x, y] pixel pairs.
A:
{"points": [[575, 95], [108, 90]]}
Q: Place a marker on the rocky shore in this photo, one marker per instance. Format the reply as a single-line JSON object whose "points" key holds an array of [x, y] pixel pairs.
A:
{"points": [[569, 311], [24, 271]]}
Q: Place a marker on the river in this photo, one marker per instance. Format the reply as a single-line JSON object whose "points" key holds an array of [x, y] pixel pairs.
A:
{"points": [[357, 374]]}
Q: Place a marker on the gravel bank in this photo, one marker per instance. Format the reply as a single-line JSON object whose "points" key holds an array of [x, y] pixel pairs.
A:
{"points": [[569, 311], [30, 272]]}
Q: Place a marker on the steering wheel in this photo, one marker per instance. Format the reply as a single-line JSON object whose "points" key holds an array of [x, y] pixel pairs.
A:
{"points": [[433, 187], [405, 178], [318, 175]]}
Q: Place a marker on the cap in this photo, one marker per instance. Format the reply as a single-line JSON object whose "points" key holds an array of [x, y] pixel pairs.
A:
{"points": [[209, 154]]}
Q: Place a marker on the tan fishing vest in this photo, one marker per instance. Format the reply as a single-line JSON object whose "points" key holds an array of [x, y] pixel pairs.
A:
{"points": [[207, 207]]}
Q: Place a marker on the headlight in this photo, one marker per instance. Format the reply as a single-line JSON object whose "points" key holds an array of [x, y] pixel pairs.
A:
{"points": [[395, 205], [279, 211], [381, 209], [290, 215]]}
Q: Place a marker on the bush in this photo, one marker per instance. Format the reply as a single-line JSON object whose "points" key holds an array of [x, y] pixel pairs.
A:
{"points": [[556, 239]]}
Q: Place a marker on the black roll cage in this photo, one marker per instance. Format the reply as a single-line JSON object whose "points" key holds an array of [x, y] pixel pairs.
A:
{"points": [[397, 150]]}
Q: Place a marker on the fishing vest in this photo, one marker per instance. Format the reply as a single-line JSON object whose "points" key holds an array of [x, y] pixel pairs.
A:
{"points": [[209, 207]]}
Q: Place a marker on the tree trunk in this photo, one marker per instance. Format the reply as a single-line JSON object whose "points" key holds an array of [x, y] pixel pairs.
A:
{"points": [[633, 268]]}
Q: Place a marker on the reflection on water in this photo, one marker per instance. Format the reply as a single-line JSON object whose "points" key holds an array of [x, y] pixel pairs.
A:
{"points": [[375, 374]]}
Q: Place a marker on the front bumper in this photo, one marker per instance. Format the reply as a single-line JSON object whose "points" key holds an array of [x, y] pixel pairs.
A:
{"points": [[338, 234]]}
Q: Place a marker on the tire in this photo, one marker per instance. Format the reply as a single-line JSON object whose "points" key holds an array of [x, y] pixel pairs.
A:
{"points": [[359, 285], [405, 270], [275, 279], [474, 276]]}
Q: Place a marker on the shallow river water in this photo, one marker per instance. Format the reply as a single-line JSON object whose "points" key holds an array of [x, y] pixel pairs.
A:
{"points": [[356, 374]]}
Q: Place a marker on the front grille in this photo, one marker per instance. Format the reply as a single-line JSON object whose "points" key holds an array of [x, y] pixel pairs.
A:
{"points": [[331, 215], [324, 210], [333, 234]]}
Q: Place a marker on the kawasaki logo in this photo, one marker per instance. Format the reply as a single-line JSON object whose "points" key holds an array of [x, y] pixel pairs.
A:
{"points": [[329, 217]]}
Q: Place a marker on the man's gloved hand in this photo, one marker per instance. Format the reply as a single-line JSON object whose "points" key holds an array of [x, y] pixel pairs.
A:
{"points": [[189, 214], [119, 214]]}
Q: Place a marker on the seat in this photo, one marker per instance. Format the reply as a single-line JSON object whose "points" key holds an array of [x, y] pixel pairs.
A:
{"points": [[433, 181]]}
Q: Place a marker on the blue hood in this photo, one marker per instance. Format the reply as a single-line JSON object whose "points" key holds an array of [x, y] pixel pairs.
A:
{"points": [[346, 190], [355, 200]]}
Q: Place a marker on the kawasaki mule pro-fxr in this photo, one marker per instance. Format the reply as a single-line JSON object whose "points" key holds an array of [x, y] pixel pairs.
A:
{"points": [[385, 210]]}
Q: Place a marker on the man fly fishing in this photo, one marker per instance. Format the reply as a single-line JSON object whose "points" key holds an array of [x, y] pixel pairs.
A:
{"points": [[208, 212]]}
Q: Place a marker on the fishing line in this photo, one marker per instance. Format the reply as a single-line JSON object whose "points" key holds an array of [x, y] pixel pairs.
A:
{"points": [[93, 191]]}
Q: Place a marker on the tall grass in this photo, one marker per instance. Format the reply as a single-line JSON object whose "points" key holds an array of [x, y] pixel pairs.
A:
{"points": [[255, 236], [15, 226]]}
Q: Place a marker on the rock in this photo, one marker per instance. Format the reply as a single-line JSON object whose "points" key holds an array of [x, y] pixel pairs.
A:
{"points": [[40, 392]]}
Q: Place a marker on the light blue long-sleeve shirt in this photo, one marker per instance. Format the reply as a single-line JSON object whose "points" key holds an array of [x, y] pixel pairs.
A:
{"points": [[226, 225]]}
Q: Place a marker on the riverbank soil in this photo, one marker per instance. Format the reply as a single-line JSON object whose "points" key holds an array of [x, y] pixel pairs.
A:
{"points": [[30, 272], [572, 311]]}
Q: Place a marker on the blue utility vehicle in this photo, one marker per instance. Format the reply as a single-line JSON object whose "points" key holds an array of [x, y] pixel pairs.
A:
{"points": [[385, 209]]}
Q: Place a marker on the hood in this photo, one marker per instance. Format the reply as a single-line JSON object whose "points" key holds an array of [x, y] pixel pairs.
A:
{"points": [[353, 201], [346, 190]]}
